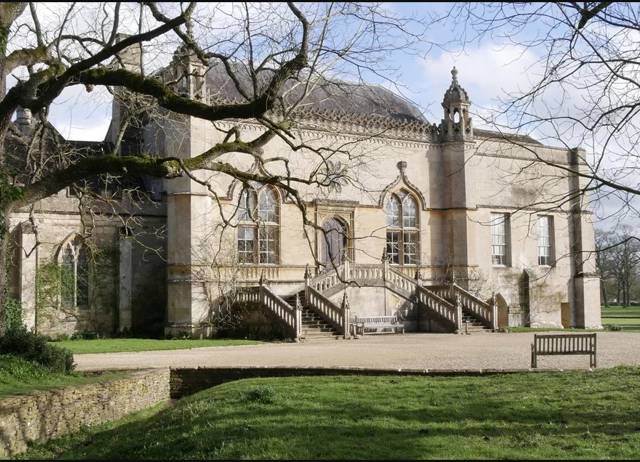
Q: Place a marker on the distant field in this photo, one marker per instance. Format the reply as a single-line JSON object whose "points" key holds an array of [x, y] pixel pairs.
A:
{"points": [[114, 345], [628, 318]]}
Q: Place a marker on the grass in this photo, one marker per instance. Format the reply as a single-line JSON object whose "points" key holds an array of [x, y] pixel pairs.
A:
{"points": [[550, 329], [580, 415], [624, 318], [114, 345], [18, 377], [627, 318]]}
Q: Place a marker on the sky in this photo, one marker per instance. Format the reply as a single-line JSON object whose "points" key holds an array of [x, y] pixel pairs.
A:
{"points": [[485, 70], [488, 69]]}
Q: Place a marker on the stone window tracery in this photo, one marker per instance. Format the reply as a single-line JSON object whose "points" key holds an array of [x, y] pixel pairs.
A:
{"points": [[74, 274], [403, 232], [258, 226]]}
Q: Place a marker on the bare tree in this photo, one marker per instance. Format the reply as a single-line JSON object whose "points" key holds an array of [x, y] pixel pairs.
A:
{"points": [[274, 54], [618, 257], [584, 86]]}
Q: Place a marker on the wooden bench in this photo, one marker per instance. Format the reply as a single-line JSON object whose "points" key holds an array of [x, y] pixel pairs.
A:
{"points": [[563, 344], [361, 324]]}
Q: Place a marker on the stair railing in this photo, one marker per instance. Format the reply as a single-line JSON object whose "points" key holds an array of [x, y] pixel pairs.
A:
{"points": [[487, 313], [337, 316], [449, 311], [325, 281], [262, 295]]}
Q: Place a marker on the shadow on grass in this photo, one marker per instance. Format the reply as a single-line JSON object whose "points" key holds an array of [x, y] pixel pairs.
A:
{"points": [[582, 414]]}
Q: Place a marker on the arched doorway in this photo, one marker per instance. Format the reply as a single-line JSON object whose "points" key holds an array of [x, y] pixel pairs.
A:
{"points": [[334, 240]]}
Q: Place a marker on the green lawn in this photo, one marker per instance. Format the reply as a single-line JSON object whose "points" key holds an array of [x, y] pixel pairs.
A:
{"points": [[550, 329], [628, 318], [528, 415], [18, 377], [113, 345]]}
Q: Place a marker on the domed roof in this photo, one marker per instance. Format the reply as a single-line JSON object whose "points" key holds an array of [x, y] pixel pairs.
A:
{"points": [[323, 96], [455, 93]]}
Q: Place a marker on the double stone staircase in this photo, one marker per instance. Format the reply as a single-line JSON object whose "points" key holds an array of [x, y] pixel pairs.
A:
{"points": [[311, 315]]}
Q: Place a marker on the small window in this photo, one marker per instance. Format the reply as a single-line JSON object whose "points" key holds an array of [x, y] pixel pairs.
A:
{"points": [[393, 212], [545, 240], [246, 244], [500, 239], [393, 247]]}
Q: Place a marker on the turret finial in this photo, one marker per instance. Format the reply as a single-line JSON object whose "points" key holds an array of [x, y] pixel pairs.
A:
{"points": [[454, 74]]}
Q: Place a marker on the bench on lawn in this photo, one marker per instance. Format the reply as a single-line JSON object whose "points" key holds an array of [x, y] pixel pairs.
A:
{"points": [[563, 344], [361, 324]]}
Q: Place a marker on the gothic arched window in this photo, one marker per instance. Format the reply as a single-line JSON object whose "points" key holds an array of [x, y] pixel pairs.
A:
{"points": [[74, 274], [258, 226], [403, 229]]}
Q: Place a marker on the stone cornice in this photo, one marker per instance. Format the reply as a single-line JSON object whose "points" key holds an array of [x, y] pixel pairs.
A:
{"points": [[368, 127]]}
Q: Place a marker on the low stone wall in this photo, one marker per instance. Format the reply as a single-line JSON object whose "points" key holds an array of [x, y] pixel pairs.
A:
{"points": [[49, 414]]}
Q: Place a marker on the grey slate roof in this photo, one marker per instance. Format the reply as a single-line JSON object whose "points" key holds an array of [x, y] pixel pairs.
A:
{"points": [[324, 96]]}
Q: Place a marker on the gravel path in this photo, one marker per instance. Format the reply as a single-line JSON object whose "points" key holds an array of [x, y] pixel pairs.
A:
{"points": [[409, 351]]}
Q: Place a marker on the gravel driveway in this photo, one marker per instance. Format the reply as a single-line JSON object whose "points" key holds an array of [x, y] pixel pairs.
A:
{"points": [[409, 351]]}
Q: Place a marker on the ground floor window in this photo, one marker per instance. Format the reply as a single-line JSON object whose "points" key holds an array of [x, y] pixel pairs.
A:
{"points": [[74, 274]]}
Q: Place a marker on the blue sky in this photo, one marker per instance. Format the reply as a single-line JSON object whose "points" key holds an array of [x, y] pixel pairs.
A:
{"points": [[485, 70]]}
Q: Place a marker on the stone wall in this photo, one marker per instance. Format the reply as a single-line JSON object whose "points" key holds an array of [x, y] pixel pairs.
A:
{"points": [[49, 414]]}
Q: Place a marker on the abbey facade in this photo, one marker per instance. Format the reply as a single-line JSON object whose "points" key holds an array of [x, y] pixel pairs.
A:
{"points": [[441, 226]]}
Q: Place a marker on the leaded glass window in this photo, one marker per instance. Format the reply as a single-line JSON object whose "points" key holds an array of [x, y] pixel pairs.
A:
{"points": [[258, 226], [74, 274], [545, 240], [500, 239], [403, 232]]}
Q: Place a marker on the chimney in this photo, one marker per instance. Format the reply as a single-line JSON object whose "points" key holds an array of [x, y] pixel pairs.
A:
{"points": [[24, 120], [130, 56]]}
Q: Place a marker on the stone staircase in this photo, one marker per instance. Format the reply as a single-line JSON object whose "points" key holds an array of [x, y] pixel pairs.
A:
{"points": [[472, 325], [313, 326], [312, 315]]}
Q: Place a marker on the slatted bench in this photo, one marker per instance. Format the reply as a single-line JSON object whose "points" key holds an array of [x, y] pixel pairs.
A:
{"points": [[563, 344], [379, 323]]}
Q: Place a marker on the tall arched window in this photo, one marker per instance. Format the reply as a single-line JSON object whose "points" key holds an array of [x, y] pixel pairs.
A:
{"points": [[74, 274], [258, 226], [403, 229]]}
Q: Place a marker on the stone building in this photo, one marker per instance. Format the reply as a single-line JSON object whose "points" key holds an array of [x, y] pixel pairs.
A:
{"points": [[444, 226]]}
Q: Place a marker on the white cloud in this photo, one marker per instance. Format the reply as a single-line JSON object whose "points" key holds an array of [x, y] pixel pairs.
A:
{"points": [[488, 73]]}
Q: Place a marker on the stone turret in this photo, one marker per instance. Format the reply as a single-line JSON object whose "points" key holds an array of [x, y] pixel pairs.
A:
{"points": [[24, 120], [456, 125], [189, 72]]}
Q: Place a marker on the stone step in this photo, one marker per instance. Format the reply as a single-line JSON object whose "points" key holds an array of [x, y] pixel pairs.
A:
{"points": [[315, 329], [315, 321], [316, 338], [473, 330]]}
